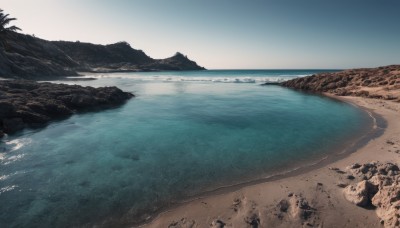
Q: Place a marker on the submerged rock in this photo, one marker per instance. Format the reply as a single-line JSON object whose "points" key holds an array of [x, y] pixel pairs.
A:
{"points": [[24, 103]]}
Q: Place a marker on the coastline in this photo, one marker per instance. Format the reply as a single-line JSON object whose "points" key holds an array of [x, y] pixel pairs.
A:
{"points": [[317, 183]]}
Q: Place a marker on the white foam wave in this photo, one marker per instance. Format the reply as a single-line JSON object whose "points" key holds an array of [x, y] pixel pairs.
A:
{"points": [[8, 188], [17, 144], [214, 79], [4, 177], [13, 158]]}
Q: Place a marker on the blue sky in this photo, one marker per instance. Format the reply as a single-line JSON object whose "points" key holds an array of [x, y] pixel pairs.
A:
{"points": [[222, 34]]}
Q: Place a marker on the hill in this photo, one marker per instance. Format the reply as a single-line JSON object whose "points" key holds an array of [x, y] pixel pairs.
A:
{"points": [[28, 57]]}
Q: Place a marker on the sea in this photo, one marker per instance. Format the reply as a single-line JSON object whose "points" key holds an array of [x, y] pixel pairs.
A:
{"points": [[184, 134]]}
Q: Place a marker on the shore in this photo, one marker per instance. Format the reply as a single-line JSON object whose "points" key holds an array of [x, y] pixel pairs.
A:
{"points": [[318, 193]]}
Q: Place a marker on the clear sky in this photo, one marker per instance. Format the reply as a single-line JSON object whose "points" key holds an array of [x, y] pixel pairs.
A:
{"points": [[227, 34]]}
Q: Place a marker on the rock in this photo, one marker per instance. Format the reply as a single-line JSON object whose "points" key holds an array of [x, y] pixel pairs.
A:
{"points": [[360, 194], [355, 166], [380, 189], [350, 177], [6, 108], [353, 82], [253, 221], [25, 102], [381, 180], [218, 224], [12, 125], [283, 205], [387, 200], [390, 142], [299, 208]]}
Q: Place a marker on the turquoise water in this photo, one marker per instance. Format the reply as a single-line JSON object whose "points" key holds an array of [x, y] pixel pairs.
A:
{"points": [[178, 138]]}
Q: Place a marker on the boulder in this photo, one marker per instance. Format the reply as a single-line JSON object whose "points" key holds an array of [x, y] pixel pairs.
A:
{"points": [[387, 200], [360, 194], [380, 188]]}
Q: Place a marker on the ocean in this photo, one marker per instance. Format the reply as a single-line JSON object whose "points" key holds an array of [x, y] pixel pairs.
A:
{"points": [[184, 134]]}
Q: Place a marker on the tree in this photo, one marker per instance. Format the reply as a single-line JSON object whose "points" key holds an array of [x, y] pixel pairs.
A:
{"points": [[4, 22]]}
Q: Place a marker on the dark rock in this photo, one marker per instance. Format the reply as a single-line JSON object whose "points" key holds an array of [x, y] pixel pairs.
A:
{"points": [[25, 102], [350, 177], [6, 108], [253, 221], [12, 125], [283, 205], [355, 166]]}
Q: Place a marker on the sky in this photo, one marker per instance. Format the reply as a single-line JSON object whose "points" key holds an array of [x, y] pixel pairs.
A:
{"points": [[227, 34]]}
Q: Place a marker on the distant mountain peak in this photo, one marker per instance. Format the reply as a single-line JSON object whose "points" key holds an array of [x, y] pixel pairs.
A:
{"points": [[180, 56], [120, 44]]}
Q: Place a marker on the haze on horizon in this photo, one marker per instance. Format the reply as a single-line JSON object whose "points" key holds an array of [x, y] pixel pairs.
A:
{"points": [[276, 34]]}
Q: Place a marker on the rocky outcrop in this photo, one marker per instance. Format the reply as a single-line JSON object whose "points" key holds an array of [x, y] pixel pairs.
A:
{"points": [[380, 188], [361, 194], [28, 57], [176, 62], [24, 103], [380, 83]]}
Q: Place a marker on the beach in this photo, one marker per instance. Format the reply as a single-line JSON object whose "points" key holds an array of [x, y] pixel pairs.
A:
{"points": [[260, 114], [260, 205]]}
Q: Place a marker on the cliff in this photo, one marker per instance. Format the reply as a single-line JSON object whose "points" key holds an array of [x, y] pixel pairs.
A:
{"points": [[28, 57], [381, 83]]}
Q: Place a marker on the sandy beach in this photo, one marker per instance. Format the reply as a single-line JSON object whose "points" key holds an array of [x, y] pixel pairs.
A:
{"points": [[319, 191]]}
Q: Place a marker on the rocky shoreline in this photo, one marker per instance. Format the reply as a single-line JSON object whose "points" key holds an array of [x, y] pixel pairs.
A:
{"points": [[379, 83], [26, 103]]}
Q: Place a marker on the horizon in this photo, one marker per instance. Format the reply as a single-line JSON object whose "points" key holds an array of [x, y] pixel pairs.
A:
{"points": [[227, 35]]}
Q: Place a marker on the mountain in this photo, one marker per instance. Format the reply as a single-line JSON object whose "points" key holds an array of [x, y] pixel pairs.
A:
{"points": [[25, 56]]}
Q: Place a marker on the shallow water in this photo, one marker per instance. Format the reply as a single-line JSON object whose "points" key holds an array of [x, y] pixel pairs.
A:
{"points": [[176, 139]]}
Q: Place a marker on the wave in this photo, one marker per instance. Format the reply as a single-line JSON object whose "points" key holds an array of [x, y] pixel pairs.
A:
{"points": [[16, 144], [8, 188], [205, 79]]}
